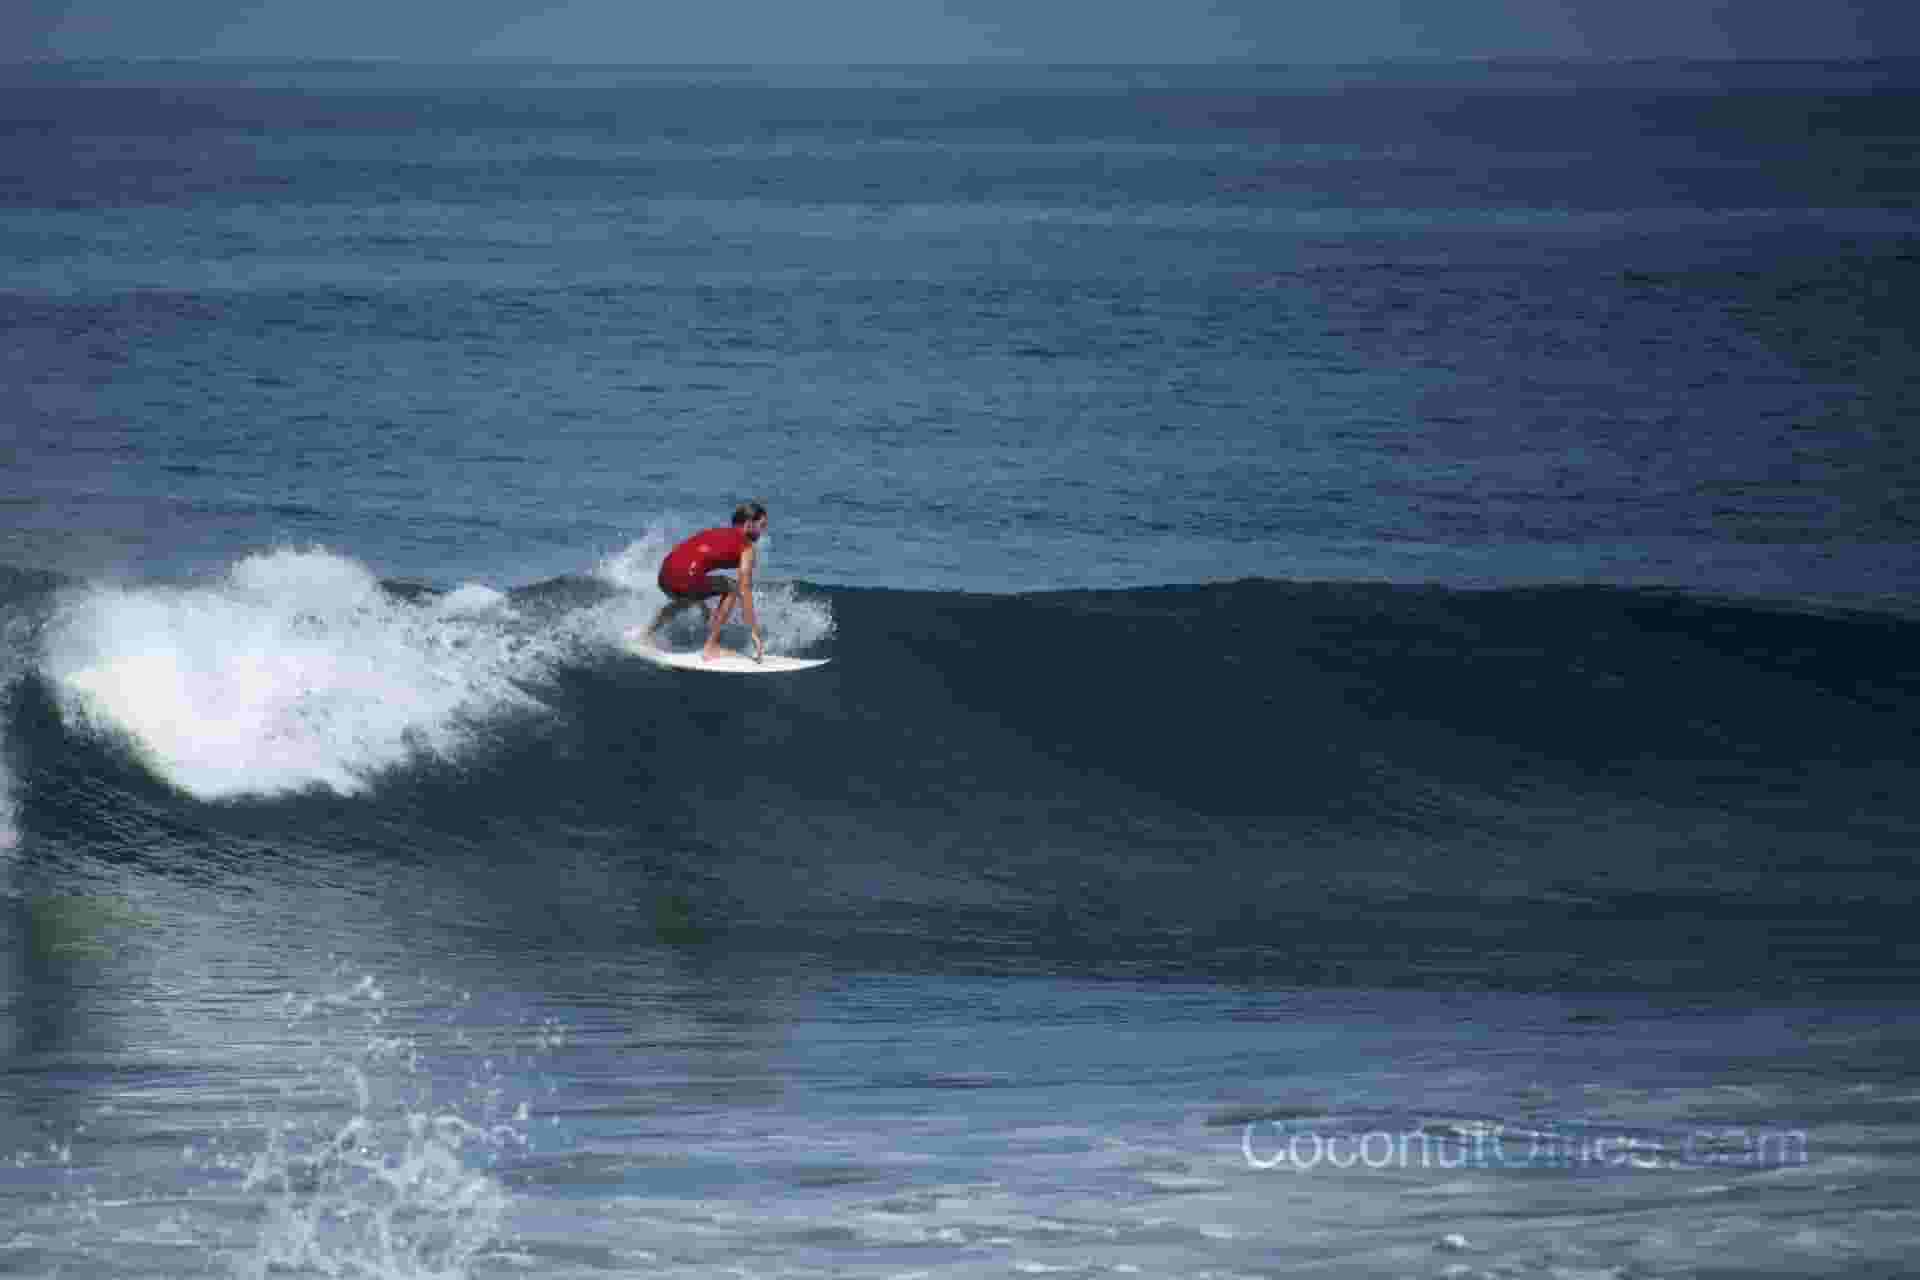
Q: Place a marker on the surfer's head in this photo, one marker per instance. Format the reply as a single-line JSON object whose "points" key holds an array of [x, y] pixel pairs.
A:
{"points": [[750, 518]]}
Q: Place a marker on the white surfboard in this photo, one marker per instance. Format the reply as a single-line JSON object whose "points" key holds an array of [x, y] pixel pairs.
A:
{"points": [[734, 663]]}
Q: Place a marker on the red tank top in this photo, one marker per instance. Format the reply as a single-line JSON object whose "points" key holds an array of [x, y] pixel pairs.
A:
{"points": [[700, 555]]}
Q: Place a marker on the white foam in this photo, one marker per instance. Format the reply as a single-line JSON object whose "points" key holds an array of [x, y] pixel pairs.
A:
{"points": [[470, 600], [294, 670]]}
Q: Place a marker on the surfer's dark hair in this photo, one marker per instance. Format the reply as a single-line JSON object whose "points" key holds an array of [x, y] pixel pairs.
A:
{"points": [[747, 512]]}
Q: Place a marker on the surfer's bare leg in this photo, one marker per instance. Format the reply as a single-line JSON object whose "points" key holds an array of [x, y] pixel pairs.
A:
{"points": [[714, 649]]}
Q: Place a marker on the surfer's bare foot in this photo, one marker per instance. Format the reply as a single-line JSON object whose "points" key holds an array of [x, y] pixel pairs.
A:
{"points": [[714, 652]]}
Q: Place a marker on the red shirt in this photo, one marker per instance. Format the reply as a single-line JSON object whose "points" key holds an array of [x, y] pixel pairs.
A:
{"points": [[688, 564]]}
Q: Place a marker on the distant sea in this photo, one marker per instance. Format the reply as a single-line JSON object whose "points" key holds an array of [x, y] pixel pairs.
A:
{"points": [[1371, 723]]}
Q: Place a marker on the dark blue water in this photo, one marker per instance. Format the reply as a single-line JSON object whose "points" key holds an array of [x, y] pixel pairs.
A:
{"points": [[1370, 723]]}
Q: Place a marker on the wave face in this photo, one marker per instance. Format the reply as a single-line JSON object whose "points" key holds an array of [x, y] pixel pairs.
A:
{"points": [[1324, 783]]}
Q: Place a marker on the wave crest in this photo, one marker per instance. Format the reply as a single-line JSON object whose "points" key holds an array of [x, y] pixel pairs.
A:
{"points": [[294, 670]]}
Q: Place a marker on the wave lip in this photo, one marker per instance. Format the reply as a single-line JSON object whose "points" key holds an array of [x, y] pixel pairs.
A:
{"points": [[294, 670]]}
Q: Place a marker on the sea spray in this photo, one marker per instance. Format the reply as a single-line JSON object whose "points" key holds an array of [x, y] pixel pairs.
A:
{"points": [[373, 1155], [394, 1180], [635, 567]]}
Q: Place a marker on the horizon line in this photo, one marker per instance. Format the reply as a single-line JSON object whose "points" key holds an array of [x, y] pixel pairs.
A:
{"points": [[1010, 60]]}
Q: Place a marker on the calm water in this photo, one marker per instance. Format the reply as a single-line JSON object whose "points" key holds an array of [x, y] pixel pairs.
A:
{"points": [[1370, 722]]}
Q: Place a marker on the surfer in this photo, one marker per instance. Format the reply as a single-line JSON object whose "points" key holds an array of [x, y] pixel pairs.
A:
{"points": [[687, 577]]}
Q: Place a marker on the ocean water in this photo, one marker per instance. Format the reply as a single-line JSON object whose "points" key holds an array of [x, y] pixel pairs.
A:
{"points": [[1370, 729]]}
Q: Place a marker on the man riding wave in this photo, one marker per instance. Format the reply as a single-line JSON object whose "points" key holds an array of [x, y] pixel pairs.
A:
{"points": [[688, 577]]}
